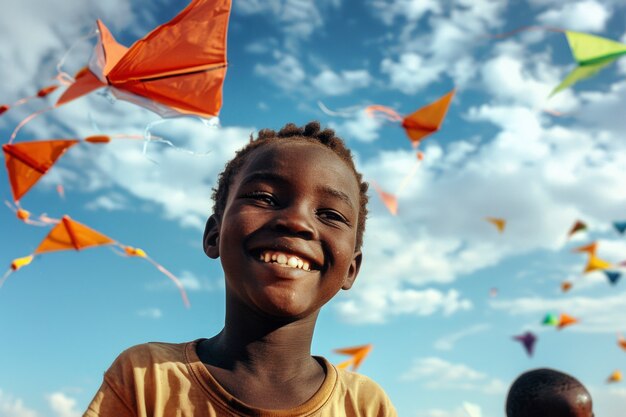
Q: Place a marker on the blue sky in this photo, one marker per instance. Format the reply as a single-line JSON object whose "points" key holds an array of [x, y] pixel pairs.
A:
{"points": [[422, 298]]}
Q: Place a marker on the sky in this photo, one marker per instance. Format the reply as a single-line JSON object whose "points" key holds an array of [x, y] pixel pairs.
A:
{"points": [[441, 292]]}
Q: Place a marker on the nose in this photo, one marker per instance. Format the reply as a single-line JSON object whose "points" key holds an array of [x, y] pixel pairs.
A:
{"points": [[296, 219]]}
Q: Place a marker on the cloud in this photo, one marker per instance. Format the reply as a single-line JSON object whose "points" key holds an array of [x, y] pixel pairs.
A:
{"points": [[62, 405], [287, 72], [14, 407], [436, 373], [411, 10], [360, 126], [586, 15], [410, 73], [111, 202], [333, 84], [150, 313], [447, 342]]}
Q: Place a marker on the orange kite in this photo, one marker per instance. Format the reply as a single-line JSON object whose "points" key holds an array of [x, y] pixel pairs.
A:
{"points": [[358, 353], [420, 123], [498, 222], [389, 200], [69, 234], [178, 68]]}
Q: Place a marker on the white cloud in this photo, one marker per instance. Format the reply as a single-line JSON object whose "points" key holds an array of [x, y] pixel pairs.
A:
{"points": [[287, 73], [410, 73], [411, 10], [361, 127], [150, 313], [111, 202], [437, 373], [447, 342], [586, 15], [14, 407], [62, 405], [333, 84]]}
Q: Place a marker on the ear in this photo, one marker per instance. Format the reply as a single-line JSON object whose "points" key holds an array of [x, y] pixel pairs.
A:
{"points": [[211, 239], [355, 266]]}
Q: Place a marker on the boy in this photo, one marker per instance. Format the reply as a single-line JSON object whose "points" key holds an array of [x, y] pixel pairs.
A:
{"points": [[548, 393], [287, 225]]}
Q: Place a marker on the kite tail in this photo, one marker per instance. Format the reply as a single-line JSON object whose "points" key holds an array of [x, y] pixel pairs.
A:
{"points": [[5, 276], [345, 112], [173, 277], [40, 94], [26, 120], [62, 76], [384, 112], [408, 177], [524, 29], [149, 137], [25, 216]]}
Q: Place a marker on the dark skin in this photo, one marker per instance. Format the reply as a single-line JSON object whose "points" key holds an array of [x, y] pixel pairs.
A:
{"points": [[301, 200], [575, 402]]}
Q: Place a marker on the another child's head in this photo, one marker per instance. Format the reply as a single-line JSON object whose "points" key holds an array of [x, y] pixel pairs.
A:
{"points": [[288, 221], [548, 393]]}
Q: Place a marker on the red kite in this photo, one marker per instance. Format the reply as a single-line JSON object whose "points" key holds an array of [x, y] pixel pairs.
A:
{"points": [[69, 234], [178, 68], [358, 353], [577, 227], [566, 286], [420, 123]]}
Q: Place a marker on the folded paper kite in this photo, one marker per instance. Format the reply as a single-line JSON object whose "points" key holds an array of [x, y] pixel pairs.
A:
{"points": [[420, 123], [592, 53], [616, 376], [620, 227], [566, 320], [591, 248], [69, 234], [612, 276], [499, 223], [594, 264], [528, 340], [577, 227], [178, 68], [358, 353]]}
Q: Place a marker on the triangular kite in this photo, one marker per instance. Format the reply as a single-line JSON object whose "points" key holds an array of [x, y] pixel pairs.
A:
{"points": [[616, 376], [620, 227], [527, 340], [566, 320], [594, 263], [499, 223], [178, 68], [577, 227], [389, 200], [358, 353], [613, 276], [27, 162]]}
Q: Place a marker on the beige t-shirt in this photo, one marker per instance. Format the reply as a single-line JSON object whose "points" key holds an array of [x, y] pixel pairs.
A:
{"points": [[164, 380]]}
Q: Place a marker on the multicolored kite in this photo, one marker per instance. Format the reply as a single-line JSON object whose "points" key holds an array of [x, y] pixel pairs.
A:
{"points": [[69, 234], [178, 68], [592, 53]]}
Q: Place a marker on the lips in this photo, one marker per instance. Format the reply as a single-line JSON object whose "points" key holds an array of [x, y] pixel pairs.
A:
{"points": [[287, 257]]}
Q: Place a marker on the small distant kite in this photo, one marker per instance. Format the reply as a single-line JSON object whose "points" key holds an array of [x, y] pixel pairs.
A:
{"points": [[621, 341], [69, 234], [550, 319], [389, 200], [577, 227], [357, 353], [560, 321], [178, 68], [498, 222], [612, 276], [528, 340], [594, 264], [616, 376], [566, 286], [421, 123], [620, 227], [592, 53], [590, 248]]}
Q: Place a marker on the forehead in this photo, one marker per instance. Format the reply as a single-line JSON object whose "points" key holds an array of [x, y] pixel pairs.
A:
{"points": [[303, 162]]}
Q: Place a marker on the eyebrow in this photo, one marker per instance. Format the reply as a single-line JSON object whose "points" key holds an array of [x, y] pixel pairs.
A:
{"points": [[273, 177]]}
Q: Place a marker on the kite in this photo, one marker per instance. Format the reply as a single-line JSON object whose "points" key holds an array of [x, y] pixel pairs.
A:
{"points": [[566, 286], [612, 276], [178, 68], [358, 353], [40, 94], [528, 340], [499, 223], [592, 53], [591, 248], [421, 123], [577, 227], [550, 320], [621, 341], [616, 376], [566, 320], [594, 263], [620, 227], [69, 234], [389, 200]]}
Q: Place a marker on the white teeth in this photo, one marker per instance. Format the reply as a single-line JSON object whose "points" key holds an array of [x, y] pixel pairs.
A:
{"points": [[283, 259]]}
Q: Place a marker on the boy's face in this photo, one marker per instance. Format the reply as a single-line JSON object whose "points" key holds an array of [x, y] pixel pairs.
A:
{"points": [[287, 236]]}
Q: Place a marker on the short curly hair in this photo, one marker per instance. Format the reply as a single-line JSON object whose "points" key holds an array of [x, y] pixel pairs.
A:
{"points": [[310, 132]]}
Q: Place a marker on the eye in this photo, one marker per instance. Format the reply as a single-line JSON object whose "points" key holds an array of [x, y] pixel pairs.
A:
{"points": [[332, 215], [262, 197]]}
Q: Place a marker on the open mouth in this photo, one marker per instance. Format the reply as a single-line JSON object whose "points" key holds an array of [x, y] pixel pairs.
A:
{"points": [[286, 260]]}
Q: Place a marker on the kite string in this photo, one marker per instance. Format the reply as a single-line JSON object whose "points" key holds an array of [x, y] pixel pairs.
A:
{"points": [[62, 76], [26, 120], [149, 137], [408, 177], [345, 112]]}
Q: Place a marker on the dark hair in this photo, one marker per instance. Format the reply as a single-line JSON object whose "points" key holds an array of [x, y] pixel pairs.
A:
{"points": [[310, 132], [534, 388]]}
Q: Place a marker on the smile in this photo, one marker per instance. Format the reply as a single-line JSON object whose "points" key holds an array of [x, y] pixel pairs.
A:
{"points": [[284, 259]]}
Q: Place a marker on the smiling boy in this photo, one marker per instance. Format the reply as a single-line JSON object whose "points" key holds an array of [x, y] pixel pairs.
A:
{"points": [[288, 223]]}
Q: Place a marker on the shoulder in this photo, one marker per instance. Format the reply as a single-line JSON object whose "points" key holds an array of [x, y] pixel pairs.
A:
{"points": [[364, 394]]}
